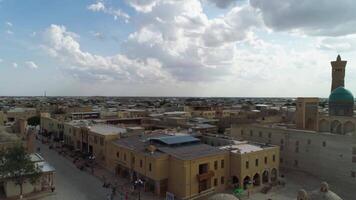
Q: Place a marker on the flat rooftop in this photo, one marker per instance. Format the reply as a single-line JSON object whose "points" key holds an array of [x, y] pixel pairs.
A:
{"points": [[105, 129], [192, 151], [182, 151], [242, 147]]}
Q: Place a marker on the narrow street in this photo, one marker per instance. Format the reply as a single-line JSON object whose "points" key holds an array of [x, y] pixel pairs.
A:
{"points": [[70, 182]]}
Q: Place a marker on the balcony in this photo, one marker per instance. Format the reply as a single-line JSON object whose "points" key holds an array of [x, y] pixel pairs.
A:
{"points": [[205, 176]]}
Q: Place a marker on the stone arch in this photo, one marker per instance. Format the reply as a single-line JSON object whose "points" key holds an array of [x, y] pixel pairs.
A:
{"points": [[247, 181], [349, 127], [336, 127], [256, 179], [324, 125], [274, 175], [265, 177]]}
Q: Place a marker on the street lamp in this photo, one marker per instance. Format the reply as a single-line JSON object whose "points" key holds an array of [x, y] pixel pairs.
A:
{"points": [[138, 184]]}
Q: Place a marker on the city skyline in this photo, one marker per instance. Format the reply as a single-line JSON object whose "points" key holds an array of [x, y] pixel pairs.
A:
{"points": [[174, 48]]}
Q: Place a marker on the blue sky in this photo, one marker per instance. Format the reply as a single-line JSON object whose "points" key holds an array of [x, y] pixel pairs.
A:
{"points": [[174, 47]]}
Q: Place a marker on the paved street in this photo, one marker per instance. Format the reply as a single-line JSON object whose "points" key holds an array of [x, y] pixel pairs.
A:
{"points": [[70, 182]]}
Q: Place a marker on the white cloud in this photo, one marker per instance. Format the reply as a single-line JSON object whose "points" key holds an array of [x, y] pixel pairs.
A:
{"points": [[31, 65], [9, 24], [189, 45], [9, 32], [99, 6], [176, 43], [1, 60], [338, 44], [143, 5], [14, 65], [97, 35], [84, 65], [96, 7]]}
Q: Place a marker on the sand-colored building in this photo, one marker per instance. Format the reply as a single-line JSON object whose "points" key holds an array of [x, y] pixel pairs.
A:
{"points": [[186, 168], [180, 165], [253, 164]]}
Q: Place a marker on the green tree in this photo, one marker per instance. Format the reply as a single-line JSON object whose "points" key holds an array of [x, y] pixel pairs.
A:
{"points": [[33, 121], [16, 165]]}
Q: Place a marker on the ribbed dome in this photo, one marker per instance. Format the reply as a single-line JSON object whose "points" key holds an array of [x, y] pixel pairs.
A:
{"points": [[341, 95]]}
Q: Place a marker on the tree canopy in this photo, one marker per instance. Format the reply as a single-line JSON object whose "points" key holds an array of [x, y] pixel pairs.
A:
{"points": [[16, 165], [33, 121]]}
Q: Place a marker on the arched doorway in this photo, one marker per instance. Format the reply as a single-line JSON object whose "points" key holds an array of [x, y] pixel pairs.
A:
{"points": [[247, 181], [324, 125], [349, 128], [256, 180], [265, 177], [336, 127], [274, 175], [235, 182]]}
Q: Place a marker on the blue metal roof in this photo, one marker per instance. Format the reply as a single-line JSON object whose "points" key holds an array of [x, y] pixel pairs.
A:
{"points": [[178, 139]]}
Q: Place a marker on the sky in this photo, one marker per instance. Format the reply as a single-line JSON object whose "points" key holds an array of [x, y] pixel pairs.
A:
{"points": [[210, 48]]}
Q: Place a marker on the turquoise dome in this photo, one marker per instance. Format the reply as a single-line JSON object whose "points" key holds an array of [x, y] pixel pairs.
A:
{"points": [[341, 94]]}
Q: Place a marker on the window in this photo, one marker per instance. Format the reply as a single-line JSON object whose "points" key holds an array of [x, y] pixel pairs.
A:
{"points": [[297, 143], [353, 174], [247, 165], [133, 160], [324, 144], [354, 150], [281, 148], [242, 132], [150, 167], [124, 156], [296, 163], [260, 134], [96, 139], [309, 141], [269, 135], [141, 163], [296, 149], [216, 165], [281, 160], [251, 133], [282, 141], [274, 158], [354, 159], [118, 154], [222, 164], [101, 141], [222, 180], [256, 162], [215, 182], [265, 159]]}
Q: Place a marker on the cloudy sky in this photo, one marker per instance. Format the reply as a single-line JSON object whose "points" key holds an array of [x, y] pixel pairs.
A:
{"points": [[235, 48]]}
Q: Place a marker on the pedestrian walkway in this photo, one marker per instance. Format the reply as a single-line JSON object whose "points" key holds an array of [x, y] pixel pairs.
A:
{"points": [[124, 189]]}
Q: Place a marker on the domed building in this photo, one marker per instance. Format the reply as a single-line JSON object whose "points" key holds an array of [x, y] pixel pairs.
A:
{"points": [[341, 102], [324, 193]]}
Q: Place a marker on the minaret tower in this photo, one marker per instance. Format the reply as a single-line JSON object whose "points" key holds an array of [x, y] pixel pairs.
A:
{"points": [[338, 73]]}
